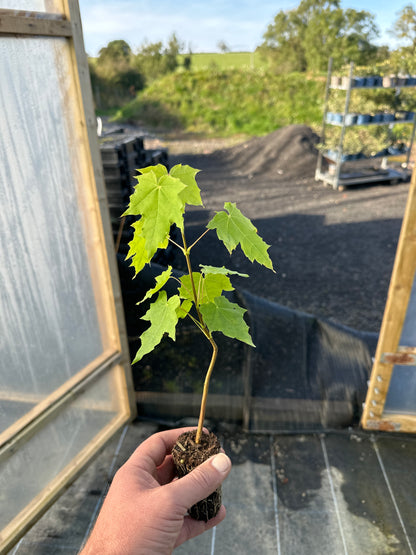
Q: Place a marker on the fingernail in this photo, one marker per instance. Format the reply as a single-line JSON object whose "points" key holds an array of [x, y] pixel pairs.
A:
{"points": [[221, 462]]}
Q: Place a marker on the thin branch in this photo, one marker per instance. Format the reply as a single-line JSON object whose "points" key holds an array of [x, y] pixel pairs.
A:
{"points": [[199, 238], [176, 245], [198, 325], [188, 263]]}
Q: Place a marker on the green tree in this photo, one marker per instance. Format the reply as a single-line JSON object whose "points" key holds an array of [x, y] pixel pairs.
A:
{"points": [[148, 60], [223, 46], [306, 37], [116, 51], [405, 25], [404, 28], [114, 78], [155, 60], [171, 52]]}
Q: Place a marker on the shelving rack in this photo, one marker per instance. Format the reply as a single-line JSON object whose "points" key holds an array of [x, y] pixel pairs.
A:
{"points": [[333, 176]]}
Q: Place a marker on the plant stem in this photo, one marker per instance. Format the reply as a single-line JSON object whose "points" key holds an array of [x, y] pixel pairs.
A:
{"points": [[191, 277], [208, 335], [205, 390]]}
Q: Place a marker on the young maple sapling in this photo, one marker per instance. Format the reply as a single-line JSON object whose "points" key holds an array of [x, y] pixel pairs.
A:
{"points": [[159, 201]]}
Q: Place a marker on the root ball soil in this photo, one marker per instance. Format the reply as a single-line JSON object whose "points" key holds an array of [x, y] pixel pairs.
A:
{"points": [[187, 455]]}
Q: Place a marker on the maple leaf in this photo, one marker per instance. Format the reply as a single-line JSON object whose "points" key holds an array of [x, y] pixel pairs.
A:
{"points": [[158, 169], [234, 228], [163, 318], [156, 199], [226, 317], [161, 280], [191, 194], [137, 249], [185, 307], [217, 270], [138, 252], [207, 287]]}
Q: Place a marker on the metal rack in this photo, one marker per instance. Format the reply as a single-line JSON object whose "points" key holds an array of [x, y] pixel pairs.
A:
{"points": [[334, 176]]}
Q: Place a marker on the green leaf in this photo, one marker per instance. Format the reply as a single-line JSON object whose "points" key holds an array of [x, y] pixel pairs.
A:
{"points": [[226, 317], [185, 290], [207, 288], [215, 270], [156, 199], [137, 249], [159, 170], [163, 318], [234, 228], [185, 307], [213, 285], [161, 280], [191, 194]]}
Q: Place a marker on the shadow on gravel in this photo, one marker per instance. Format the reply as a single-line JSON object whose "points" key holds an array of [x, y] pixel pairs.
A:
{"points": [[339, 271]]}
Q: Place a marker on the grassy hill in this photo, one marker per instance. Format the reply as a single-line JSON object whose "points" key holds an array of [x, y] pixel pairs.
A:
{"points": [[226, 102]]}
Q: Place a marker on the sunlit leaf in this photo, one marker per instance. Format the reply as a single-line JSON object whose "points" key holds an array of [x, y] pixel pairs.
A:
{"points": [[226, 317], [216, 270], [191, 194], [156, 199], [163, 318], [137, 249], [207, 287], [234, 228], [184, 308], [161, 280], [158, 169]]}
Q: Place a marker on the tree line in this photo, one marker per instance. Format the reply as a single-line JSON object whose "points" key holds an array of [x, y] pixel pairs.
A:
{"points": [[117, 74], [298, 40]]}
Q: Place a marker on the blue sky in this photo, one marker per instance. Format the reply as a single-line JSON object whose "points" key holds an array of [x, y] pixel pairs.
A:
{"points": [[202, 24]]}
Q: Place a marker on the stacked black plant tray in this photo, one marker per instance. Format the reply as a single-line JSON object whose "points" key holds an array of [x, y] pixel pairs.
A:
{"points": [[122, 154]]}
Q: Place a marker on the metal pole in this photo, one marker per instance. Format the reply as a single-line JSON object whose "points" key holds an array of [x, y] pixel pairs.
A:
{"points": [[341, 139], [328, 82]]}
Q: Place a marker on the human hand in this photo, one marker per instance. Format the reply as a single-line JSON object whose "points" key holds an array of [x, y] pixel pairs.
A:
{"points": [[145, 511]]}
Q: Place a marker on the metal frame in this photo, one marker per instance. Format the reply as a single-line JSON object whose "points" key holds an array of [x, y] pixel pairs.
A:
{"points": [[336, 180]]}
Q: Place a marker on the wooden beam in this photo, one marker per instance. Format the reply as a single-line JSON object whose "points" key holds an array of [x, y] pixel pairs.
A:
{"points": [[389, 352], [18, 527], [104, 272], [13, 22], [23, 428]]}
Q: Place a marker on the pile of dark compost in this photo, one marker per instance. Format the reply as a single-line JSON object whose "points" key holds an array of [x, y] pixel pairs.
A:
{"points": [[333, 251], [289, 151]]}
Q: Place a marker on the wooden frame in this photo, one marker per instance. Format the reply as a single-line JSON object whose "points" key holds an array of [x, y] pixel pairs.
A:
{"points": [[104, 273], [34, 23], [389, 351]]}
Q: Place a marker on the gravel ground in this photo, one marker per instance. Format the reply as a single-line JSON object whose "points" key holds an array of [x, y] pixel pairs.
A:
{"points": [[333, 251]]}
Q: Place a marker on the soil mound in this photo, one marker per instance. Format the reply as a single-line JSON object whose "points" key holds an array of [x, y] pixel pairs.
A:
{"points": [[289, 151]]}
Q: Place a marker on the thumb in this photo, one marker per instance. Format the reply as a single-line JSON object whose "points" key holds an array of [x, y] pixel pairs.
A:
{"points": [[202, 481]]}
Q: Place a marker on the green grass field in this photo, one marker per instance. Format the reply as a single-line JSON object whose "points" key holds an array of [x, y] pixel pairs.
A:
{"points": [[226, 60]]}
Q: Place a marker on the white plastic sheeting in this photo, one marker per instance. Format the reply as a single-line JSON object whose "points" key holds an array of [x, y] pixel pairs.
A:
{"points": [[27, 472], [48, 321]]}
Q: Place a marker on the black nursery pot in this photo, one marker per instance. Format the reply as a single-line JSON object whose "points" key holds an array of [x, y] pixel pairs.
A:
{"points": [[187, 455]]}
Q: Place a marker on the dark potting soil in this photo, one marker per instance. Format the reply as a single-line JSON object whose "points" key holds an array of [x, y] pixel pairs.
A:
{"points": [[187, 455]]}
